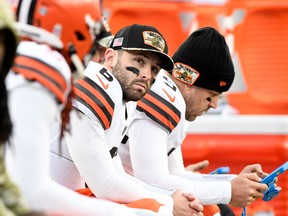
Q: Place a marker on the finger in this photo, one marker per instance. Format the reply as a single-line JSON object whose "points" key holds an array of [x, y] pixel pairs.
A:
{"points": [[196, 206], [257, 195], [250, 200], [201, 165], [262, 175], [198, 166], [198, 214], [189, 196], [258, 169], [262, 187], [254, 168], [253, 177]]}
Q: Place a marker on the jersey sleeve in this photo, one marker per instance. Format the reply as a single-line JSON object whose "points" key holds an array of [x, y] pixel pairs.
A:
{"points": [[39, 63], [97, 94], [96, 100], [163, 104], [148, 151], [106, 180]]}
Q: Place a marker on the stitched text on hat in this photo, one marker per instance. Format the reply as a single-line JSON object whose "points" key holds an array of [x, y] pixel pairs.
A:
{"points": [[184, 73], [154, 39]]}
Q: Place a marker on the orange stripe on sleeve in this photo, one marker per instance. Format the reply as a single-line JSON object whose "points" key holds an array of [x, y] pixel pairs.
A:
{"points": [[98, 95], [158, 115], [95, 106], [163, 107], [46, 69], [41, 79]]}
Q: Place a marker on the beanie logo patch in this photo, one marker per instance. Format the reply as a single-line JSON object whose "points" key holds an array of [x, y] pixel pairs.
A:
{"points": [[154, 39], [222, 83], [185, 73]]}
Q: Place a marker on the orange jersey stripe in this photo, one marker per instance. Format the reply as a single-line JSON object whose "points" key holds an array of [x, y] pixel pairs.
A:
{"points": [[145, 203], [159, 110], [163, 107], [27, 73], [35, 69], [156, 114], [96, 99], [95, 107], [98, 95], [43, 67]]}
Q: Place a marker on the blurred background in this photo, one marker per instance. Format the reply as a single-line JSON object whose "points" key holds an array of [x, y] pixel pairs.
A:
{"points": [[250, 124]]}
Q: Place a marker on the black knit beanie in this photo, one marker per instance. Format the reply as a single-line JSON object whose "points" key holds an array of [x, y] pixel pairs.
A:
{"points": [[205, 57]]}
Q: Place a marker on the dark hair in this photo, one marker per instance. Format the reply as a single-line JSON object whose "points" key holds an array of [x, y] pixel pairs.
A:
{"points": [[5, 121]]}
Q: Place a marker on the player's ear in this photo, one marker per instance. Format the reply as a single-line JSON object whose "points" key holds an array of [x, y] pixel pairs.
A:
{"points": [[110, 57]]}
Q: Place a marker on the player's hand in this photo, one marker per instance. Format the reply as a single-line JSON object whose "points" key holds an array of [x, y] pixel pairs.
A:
{"points": [[186, 205], [246, 189], [197, 167], [194, 203]]}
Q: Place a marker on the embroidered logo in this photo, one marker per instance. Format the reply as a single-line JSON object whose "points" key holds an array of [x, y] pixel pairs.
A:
{"points": [[222, 83], [172, 99], [185, 73], [105, 86], [154, 39]]}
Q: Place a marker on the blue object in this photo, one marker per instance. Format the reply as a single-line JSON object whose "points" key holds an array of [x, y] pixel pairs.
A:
{"points": [[221, 170], [270, 180], [243, 212]]}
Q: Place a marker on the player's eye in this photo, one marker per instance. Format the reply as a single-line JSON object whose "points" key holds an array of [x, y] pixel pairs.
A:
{"points": [[155, 69], [209, 99], [139, 60]]}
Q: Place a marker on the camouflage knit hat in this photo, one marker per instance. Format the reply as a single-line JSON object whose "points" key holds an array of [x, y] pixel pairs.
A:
{"points": [[9, 33]]}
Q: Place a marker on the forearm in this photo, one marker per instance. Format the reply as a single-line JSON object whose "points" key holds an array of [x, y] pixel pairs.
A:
{"points": [[91, 155], [54, 198], [150, 164], [206, 177], [208, 192]]}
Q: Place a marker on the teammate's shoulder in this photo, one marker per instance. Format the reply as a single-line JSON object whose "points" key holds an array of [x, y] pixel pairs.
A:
{"points": [[43, 53], [166, 89]]}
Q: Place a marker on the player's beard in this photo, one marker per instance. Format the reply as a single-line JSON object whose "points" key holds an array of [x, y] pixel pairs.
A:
{"points": [[129, 92]]}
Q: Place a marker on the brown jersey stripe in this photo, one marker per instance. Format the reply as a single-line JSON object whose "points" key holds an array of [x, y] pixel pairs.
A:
{"points": [[34, 69], [163, 105], [96, 100], [93, 107], [42, 67], [41, 79], [154, 115], [159, 110], [99, 94]]}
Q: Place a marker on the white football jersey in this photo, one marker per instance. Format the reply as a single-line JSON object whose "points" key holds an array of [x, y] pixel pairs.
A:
{"points": [[151, 149]]}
